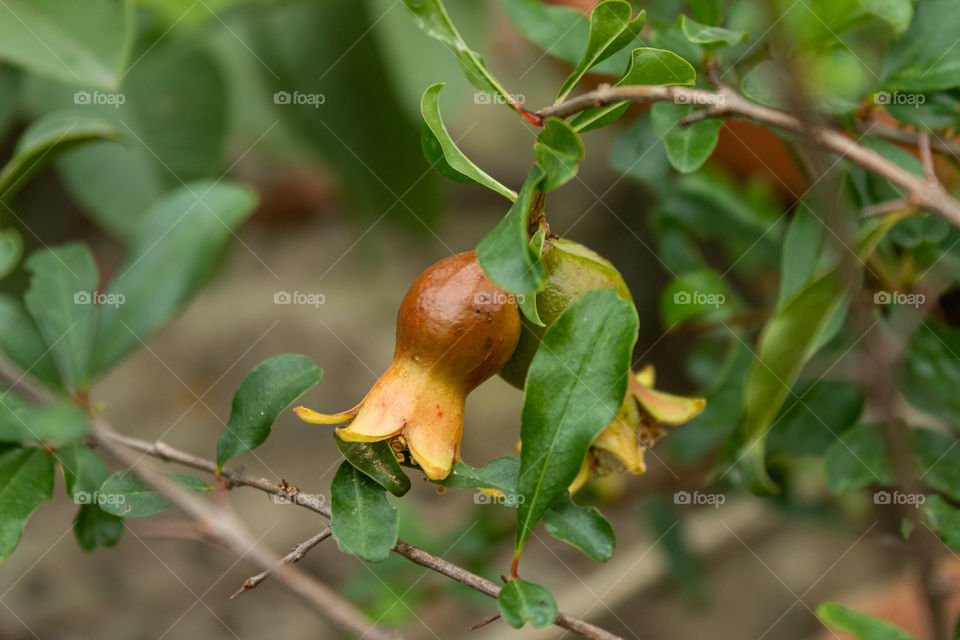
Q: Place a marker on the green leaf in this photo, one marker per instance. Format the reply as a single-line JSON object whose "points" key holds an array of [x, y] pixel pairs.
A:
{"points": [[583, 527], [22, 422], [944, 518], [925, 58], [788, 341], [500, 474], [176, 249], [60, 299], [698, 294], [505, 253], [376, 460], [574, 388], [270, 388], [859, 625], [560, 31], [83, 471], [703, 34], [647, 67], [21, 342], [79, 43], [931, 373], [858, 459], [175, 125], [431, 16], [124, 494], [611, 29], [687, 148], [26, 482], [898, 13], [363, 521], [521, 601], [640, 154], [449, 153], [812, 418], [11, 248], [801, 252], [47, 139], [94, 527], [559, 151], [528, 304]]}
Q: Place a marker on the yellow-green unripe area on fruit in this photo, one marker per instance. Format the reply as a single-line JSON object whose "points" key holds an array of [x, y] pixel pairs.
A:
{"points": [[572, 270]]}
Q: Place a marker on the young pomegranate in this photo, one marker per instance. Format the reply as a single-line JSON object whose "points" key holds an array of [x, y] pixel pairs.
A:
{"points": [[455, 329]]}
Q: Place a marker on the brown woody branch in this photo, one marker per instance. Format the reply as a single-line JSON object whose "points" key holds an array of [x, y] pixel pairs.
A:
{"points": [[724, 102], [296, 555], [239, 477]]}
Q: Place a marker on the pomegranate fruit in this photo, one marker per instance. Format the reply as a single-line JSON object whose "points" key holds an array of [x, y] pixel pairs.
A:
{"points": [[455, 329]]}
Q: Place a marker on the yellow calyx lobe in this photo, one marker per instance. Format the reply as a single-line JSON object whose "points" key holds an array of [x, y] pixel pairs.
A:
{"points": [[637, 426], [455, 329]]}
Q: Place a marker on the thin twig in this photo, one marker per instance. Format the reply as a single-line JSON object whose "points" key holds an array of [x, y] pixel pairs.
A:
{"points": [[296, 555], [927, 194], [882, 208], [239, 477], [909, 138], [926, 155], [224, 526]]}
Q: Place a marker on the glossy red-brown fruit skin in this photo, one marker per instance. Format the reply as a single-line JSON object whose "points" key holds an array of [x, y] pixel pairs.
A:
{"points": [[455, 321]]}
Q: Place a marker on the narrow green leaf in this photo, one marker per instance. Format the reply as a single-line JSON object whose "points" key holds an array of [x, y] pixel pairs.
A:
{"points": [[363, 522], [861, 626], [23, 422], [176, 249], [79, 43], [270, 388], [449, 152], [898, 13], [687, 148], [924, 58], [94, 528], [707, 35], [431, 16], [124, 494], [583, 527], [559, 151], [801, 252], [26, 482], [11, 248], [574, 388], [648, 66], [788, 341], [21, 342], [521, 601], [611, 29], [505, 253], [47, 139], [376, 460], [528, 304], [60, 299]]}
